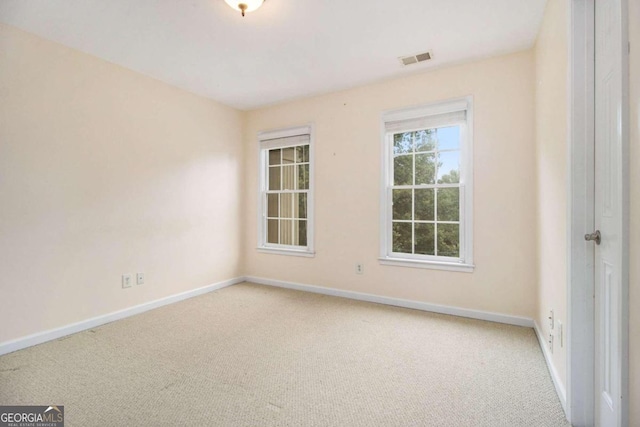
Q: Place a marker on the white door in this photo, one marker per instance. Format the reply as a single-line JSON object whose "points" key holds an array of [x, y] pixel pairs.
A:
{"points": [[610, 96]]}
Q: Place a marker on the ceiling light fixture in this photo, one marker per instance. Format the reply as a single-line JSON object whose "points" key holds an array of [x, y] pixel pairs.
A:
{"points": [[245, 5]]}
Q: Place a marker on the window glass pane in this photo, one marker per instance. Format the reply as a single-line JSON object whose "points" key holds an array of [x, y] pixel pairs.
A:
{"points": [[449, 167], [300, 200], [272, 205], [274, 178], [272, 231], [288, 177], [425, 168], [425, 239], [448, 204], [302, 232], [424, 204], [448, 138], [425, 183], [288, 155], [402, 204], [403, 170], [274, 157], [286, 205], [403, 143], [425, 140], [402, 237], [449, 240], [286, 232], [303, 177], [302, 154]]}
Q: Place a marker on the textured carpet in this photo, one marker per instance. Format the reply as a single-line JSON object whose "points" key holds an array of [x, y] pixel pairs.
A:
{"points": [[250, 355]]}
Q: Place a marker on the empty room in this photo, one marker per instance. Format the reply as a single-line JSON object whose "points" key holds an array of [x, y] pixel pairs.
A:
{"points": [[320, 213]]}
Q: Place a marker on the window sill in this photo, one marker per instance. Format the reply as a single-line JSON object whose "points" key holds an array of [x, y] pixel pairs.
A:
{"points": [[434, 265], [291, 252]]}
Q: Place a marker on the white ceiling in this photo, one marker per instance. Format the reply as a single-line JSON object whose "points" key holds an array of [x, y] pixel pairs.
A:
{"points": [[286, 49]]}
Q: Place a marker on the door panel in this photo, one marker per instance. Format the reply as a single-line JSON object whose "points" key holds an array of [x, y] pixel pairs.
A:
{"points": [[608, 211]]}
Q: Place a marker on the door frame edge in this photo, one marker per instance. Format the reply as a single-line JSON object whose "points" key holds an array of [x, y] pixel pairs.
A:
{"points": [[625, 127], [580, 211]]}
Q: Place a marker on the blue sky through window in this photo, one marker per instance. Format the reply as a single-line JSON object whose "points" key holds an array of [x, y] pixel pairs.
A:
{"points": [[448, 139]]}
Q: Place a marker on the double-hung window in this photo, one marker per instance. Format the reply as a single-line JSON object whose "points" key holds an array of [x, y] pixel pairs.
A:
{"points": [[426, 211], [286, 191]]}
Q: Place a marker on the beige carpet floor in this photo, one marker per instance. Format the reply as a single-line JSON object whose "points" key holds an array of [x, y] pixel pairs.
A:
{"points": [[251, 355]]}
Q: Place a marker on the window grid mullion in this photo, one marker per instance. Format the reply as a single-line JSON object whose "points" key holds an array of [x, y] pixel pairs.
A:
{"points": [[281, 169], [287, 191], [436, 186], [461, 235], [279, 222], [419, 186], [435, 219], [435, 196], [391, 181], [425, 221], [413, 195], [267, 180]]}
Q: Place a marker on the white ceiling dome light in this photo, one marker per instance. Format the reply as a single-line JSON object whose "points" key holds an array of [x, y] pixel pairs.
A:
{"points": [[245, 5]]}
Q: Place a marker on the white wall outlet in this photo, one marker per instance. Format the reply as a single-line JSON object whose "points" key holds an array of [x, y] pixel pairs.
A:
{"points": [[140, 279], [359, 268], [127, 281], [551, 319], [551, 342], [560, 334]]}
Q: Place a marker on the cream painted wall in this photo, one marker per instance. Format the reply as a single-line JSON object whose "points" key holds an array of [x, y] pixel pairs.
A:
{"points": [[551, 121], [104, 171], [634, 256], [348, 185]]}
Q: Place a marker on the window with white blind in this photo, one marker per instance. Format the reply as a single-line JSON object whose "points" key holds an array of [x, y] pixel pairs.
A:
{"points": [[286, 191], [427, 207]]}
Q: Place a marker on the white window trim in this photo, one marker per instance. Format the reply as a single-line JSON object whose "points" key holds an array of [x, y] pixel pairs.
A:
{"points": [[276, 249], [466, 182]]}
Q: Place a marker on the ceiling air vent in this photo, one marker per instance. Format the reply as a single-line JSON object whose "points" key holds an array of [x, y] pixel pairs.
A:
{"points": [[414, 59]]}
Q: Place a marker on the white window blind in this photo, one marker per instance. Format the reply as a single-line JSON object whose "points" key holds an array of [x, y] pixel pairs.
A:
{"points": [[427, 122], [285, 141]]}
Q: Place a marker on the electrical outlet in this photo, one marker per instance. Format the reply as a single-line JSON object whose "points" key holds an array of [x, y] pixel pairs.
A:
{"points": [[359, 268], [140, 279], [551, 342], [551, 319], [126, 281], [560, 334]]}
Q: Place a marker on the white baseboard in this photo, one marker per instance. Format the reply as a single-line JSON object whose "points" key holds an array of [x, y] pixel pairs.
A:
{"points": [[52, 334], [416, 305], [562, 394]]}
